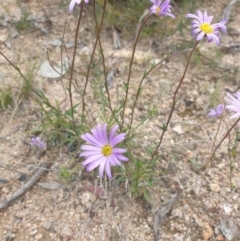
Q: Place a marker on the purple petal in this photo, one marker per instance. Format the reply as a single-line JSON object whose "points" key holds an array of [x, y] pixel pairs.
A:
{"points": [[98, 135], [121, 157], [101, 168], [114, 161], [112, 133], [89, 153], [209, 20], [96, 163], [236, 115], [91, 139], [200, 36], [71, 5], [104, 133], [93, 158], [212, 113], [233, 108], [118, 150], [108, 170], [91, 148], [117, 139], [237, 95], [220, 108], [200, 15], [213, 37]]}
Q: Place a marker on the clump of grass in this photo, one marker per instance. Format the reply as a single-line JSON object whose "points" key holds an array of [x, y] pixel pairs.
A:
{"points": [[24, 23], [6, 98], [65, 175]]}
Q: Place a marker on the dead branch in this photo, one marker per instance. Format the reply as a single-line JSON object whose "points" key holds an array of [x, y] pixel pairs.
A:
{"points": [[29, 184], [161, 214]]}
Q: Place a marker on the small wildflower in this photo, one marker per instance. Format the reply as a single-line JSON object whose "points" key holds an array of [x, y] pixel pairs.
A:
{"points": [[234, 104], [160, 8], [36, 141], [217, 111], [102, 151], [73, 2], [202, 27]]}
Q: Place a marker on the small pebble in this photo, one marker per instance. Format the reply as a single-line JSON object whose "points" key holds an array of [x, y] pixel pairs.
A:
{"points": [[214, 187], [33, 232]]}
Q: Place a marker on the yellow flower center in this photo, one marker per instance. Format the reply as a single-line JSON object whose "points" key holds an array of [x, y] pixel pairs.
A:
{"points": [[158, 10], [206, 28], [107, 150]]}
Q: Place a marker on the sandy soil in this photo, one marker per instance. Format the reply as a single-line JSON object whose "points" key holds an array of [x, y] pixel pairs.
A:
{"points": [[204, 207]]}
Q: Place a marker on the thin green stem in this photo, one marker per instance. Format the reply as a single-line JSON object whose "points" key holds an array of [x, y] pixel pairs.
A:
{"points": [[103, 61], [130, 69], [91, 60], [224, 137], [72, 67], [174, 101], [144, 76], [215, 138]]}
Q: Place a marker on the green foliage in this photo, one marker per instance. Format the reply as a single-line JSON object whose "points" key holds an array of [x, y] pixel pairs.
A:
{"points": [[24, 23], [6, 98], [57, 124], [120, 12], [28, 83], [140, 173], [65, 175]]}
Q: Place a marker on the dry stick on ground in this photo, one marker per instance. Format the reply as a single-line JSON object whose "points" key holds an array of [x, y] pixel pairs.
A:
{"points": [[29, 184], [161, 214]]}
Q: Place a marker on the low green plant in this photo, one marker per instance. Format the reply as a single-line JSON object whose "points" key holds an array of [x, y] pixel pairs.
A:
{"points": [[24, 23], [65, 175], [6, 98]]}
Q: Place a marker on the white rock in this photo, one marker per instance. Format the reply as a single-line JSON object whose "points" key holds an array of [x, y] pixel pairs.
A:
{"points": [[87, 198], [178, 129], [55, 42], [33, 232], [47, 71], [155, 61], [228, 210], [6, 190], [39, 236], [214, 187], [127, 111], [47, 224]]}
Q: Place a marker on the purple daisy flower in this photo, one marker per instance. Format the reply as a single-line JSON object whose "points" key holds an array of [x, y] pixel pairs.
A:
{"points": [[73, 2], [160, 8], [36, 141], [217, 111], [202, 27], [102, 151], [234, 104]]}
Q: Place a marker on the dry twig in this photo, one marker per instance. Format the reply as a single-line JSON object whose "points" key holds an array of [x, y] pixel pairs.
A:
{"points": [[29, 184]]}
